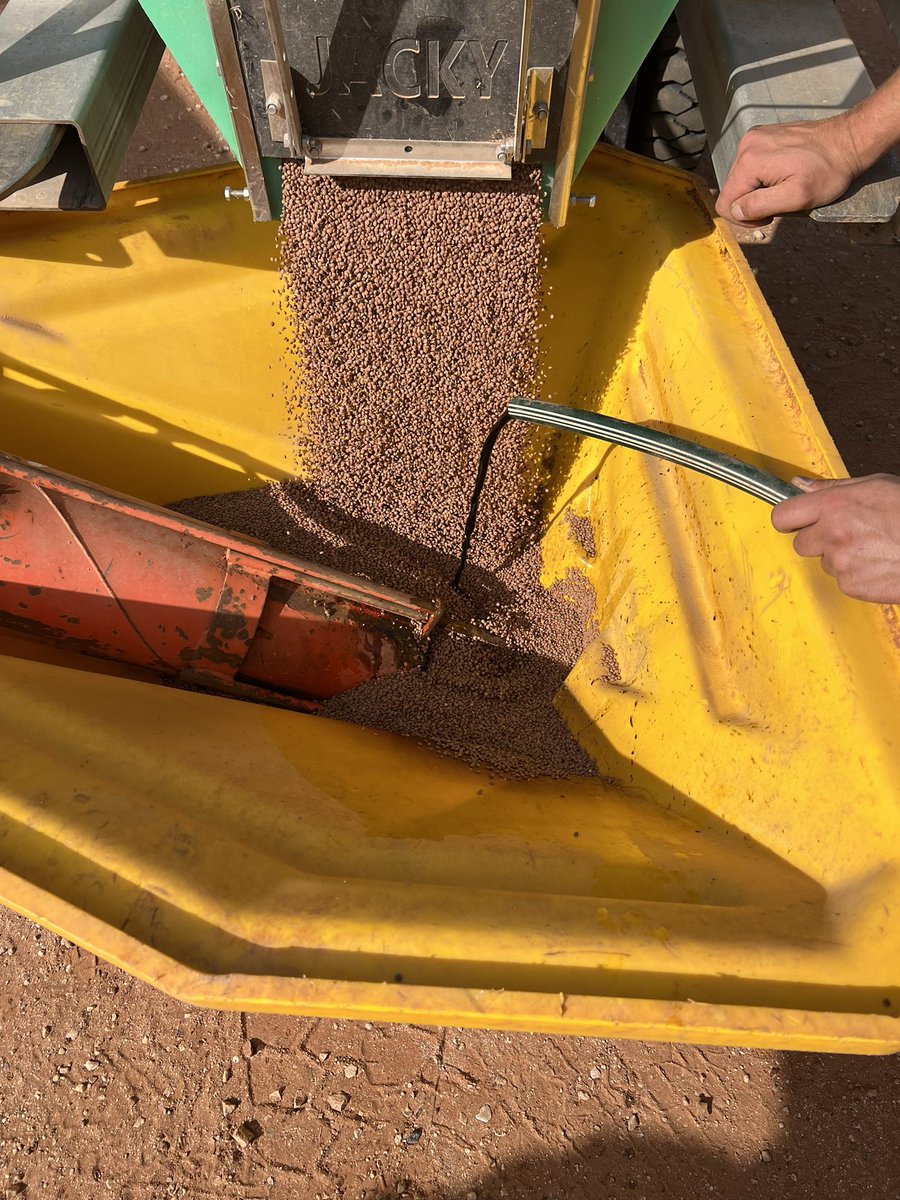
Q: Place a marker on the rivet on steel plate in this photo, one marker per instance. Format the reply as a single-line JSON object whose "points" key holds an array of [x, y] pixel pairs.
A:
{"points": [[590, 201], [237, 193], [273, 104]]}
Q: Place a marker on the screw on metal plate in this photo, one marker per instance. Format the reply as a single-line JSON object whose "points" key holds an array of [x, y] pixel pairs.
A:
{"points": [[274, 104], [590, 201], [505, 152], [538, 91], [311, 148], [237, 193]]}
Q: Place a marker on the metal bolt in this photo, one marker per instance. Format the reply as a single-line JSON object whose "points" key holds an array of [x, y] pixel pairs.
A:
{"points": [[541, 110], [505, 152], [311, 147], [273, 105], [590, 201], [237, 193]]}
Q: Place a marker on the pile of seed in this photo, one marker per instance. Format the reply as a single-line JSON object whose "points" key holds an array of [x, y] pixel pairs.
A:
{"points": [[412, 312]]}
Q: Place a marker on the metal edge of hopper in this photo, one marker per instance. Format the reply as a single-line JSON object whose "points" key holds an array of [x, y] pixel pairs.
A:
{"points": [[399, 603], [61, 142], [219, 13], [586, 17], [402, 158]]}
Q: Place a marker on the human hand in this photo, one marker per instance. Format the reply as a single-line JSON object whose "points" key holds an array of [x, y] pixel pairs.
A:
{"points": [[789, 168], [853, 525]]}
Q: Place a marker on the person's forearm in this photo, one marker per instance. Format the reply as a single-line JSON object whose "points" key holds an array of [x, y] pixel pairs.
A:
{"points": [[873, 125]]}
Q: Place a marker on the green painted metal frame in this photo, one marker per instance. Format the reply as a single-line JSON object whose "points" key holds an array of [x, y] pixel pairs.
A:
{"points": [[184, 27], [626, 30]]}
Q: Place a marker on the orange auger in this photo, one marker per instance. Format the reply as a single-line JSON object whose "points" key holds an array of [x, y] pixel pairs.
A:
{"points": [[111, 576]]}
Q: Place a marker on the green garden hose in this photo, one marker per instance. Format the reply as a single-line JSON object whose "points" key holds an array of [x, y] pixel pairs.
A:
{"points": [[622, 433], [661, 445]]}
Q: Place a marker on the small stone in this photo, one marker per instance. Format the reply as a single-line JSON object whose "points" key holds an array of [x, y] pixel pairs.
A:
{"points": [[230, 1105], [247, 1133], [92, 1064], [275, 1097], [831, 352], [595, 1072], [471, 1196], [484, 1114], [164, 96], [765, 1156], [350, 1071], [270, 1181], [226, 1074], [299, 1101], [337, 1101], [324, 1056], [632, 1123], [252, 1047], [71, 1035], [746, 1077], [583, 1096], [46, 1031]]}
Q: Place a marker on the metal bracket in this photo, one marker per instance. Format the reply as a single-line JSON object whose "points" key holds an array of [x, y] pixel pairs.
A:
{"points": [[281, 102], [538, 88], [72, 87], [275, 106]]}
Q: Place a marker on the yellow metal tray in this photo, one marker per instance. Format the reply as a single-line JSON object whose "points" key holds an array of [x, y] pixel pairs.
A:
{"points": [[735, 871]]}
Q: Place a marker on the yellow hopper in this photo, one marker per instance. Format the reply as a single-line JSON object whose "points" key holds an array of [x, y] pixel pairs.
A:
{"points": [[733, 872]]}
